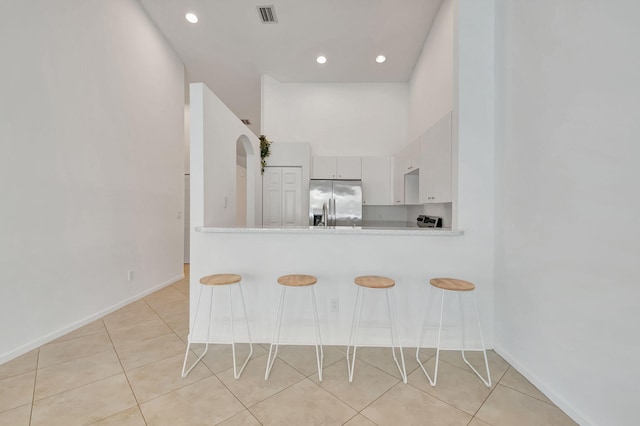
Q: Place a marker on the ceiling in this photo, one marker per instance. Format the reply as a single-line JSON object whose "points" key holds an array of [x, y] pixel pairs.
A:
{"points": [[230, 48]]}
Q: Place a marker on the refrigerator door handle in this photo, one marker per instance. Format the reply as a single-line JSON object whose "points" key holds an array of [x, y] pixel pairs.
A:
{"points": [[333, 211], [335, 218]]}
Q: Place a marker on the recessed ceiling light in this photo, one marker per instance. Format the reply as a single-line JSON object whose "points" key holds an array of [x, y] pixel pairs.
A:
{"points": [[381, 58], [191, 17], [321, 59]]}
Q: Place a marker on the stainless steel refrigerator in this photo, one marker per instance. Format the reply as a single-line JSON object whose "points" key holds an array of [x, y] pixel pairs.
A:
{"points": [[335, 202]]}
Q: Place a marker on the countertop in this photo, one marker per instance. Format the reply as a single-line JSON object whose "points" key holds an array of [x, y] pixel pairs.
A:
{"points": [[356, 230]]}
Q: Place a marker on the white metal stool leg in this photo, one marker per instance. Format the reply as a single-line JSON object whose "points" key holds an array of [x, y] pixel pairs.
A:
{"points": [[236, 374], [275, 341], [206, 347], [424, 326], [390, 304], [276, 335], [484, 351], [391, 308], [433, 381], [357, 311], [435, 374], [316, 322]]}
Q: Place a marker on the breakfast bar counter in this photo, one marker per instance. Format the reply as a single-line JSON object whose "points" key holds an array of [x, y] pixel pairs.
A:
{"points": [[410, 256], [351, 230]]}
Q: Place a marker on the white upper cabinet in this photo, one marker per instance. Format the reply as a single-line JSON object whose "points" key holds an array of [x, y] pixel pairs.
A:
{"points": [[349, 167], [435, 163], [323, 168], [406, 161], [398, 179], [376, 181], [336, 167]]}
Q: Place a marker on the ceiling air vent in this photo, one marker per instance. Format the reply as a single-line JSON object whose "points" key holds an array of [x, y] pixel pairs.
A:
{"points": [[267, 14], [245, 121]]}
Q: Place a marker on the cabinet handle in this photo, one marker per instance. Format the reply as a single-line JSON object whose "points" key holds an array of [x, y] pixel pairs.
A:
{"points": [[339, 175]]}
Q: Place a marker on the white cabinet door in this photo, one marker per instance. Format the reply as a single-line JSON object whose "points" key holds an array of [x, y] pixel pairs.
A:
{"points": [[411, 154], [336, 168], [398, 179], [376, 181], [349, 167], [282, 196], [323, 168], [291, 196], [404, 162], [435, 163], [272, 196]]}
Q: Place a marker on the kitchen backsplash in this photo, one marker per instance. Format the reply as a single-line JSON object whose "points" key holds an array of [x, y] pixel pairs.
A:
{"points": [[389, 216]]}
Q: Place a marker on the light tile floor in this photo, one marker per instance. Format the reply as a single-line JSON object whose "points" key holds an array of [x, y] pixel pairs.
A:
{"points": [[113, 373]]}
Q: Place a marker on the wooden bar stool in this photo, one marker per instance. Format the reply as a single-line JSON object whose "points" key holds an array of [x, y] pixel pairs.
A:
{"points": [[213, 281], [295, 281], [449, 285], [377, 283]]}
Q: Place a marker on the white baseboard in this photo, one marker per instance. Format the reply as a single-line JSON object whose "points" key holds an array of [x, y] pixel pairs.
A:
{"points": [[8, 356], [562, 403]]}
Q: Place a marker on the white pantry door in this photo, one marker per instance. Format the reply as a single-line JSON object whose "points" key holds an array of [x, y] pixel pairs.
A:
{"points": [[282, 196]]}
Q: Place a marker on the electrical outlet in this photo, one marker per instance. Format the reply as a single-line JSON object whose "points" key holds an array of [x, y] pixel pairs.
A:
{"points": [[130, 276], [334, 304]]}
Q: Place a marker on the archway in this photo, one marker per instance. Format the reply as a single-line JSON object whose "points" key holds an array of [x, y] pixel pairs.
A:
{"points": [[245, 182]]}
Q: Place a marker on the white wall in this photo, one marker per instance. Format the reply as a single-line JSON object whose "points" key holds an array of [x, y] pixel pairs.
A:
{"points": [[568, 244], [431, 83], [475, 142], [433, 93], [91, 169], [336, 118], [215, 131], [265, 256], [241, 195]]}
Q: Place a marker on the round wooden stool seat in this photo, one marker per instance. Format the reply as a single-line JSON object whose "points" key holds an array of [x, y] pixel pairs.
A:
{"points": [[374, 281], [220, 279], [297, 280], [452, 284]]}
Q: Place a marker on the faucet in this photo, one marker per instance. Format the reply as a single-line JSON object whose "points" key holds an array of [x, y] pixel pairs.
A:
{"points": [[325, 214]]}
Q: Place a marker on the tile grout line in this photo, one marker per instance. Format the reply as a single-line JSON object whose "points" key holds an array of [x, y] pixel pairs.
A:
{"points": [[237, 414], [71, 339], [280, 391], [165, 323], [125, 375], [316, 371], [526, 394], [497, 382], [445, 402], [385, 392], [378, 398], [386, 372], [206, 366], [155, 362], [33, 395], [58, 364]]}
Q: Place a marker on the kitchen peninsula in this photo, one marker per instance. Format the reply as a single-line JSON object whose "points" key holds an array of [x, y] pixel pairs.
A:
{"points": [[410, 256], [335, 256], [350, 230]]}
